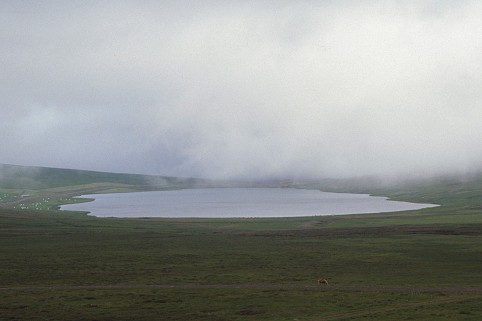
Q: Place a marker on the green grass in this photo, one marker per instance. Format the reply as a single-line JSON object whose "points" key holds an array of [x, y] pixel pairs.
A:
{"points": [[44, 248], [46, 253], [33, 178], [238, 305], [57, 249]]}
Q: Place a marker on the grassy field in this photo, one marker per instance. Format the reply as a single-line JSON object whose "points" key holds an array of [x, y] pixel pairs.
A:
{"points": [[418, 265]]}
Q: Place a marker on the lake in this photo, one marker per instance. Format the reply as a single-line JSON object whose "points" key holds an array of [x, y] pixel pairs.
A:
{"points": [[237, 202]]}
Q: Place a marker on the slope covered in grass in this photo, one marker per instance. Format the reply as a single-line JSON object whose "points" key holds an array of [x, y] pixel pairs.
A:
{"points": [[27, 177], [70, 266]]}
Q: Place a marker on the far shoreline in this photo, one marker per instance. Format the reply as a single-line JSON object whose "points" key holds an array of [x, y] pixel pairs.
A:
{"points": [[237, 203]]}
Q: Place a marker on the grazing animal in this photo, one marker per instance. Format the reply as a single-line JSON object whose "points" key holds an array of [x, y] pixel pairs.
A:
{"points": [[323, 281]]}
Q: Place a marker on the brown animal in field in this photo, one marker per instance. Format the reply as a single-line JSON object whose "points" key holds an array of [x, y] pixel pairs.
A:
{"points": [[322, 281]]}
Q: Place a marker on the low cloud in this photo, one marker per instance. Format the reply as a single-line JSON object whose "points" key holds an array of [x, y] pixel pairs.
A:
{"points": [[255, 89]]}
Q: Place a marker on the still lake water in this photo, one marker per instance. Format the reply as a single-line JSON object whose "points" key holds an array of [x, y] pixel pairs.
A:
{"points": [[237, 202]]}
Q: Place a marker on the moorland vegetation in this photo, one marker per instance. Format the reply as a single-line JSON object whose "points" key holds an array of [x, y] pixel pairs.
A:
{"points": [[414, 265]]}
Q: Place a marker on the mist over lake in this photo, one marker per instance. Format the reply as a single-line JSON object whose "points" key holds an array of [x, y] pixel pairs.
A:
{"points": [[237, 202]]}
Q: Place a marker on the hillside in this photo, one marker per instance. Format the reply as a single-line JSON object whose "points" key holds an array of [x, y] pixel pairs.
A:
{"points": [[413, 265], [27, 177], [449, 190], [16, 182], [40, 188]]}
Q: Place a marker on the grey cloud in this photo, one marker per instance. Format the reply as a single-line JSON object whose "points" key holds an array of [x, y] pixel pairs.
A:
{"points": [[252, 89]]}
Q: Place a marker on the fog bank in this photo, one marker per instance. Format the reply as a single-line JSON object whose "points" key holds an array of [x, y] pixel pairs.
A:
{"points": [[243, 90]]}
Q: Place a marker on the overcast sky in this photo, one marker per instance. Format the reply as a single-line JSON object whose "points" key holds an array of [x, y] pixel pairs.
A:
{"points": [[242, 89]]}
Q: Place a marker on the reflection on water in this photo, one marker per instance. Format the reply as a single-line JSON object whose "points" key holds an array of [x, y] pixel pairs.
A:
{"points": [[237, 202]]}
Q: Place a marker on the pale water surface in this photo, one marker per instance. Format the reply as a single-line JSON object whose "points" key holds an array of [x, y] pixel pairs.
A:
{"points": [[237, 202]]}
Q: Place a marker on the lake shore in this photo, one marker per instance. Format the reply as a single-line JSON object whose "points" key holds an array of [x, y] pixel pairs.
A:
{"points": [[237, 203]]}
